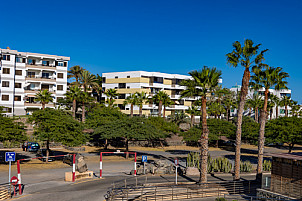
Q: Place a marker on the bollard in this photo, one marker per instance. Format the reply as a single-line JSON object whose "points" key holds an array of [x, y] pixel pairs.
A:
{"points": [[135, 164], [73, 169], [19, 177], [101, 164]]}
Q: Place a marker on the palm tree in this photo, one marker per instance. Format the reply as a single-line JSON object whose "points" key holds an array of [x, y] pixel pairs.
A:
{"points": [[132, 100], [142, 98], [202, 85], [193, 111], [247, 56], [295, 108], [255, 102], [75, 72], [166, 103], [158, 98], [44, 97], [229, 102], [88, 80], [84, 98], [99, 89], [266, 77], [276, 101], [285, 101], [73, 95], [179, 117], [111, 95]]}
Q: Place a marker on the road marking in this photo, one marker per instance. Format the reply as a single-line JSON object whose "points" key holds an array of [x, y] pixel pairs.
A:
{"points": [[79, 182], [21, 197]]}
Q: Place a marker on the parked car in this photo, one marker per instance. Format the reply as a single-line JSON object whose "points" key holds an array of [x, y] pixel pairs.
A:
{"points": [[42, 153], [33, 146]]}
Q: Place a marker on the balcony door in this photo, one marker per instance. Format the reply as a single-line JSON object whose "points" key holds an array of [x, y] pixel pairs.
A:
{"points": [[45, 86], [31, 74]]}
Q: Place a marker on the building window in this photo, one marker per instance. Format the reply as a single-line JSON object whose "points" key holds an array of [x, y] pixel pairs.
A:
{"points": [[122, 96], [18, 85], [60, 87], [128, 76], [17, 98], [18, 72], [104, 80], [60, 75], [122, 85], [20, 60], [45, 63], [31, 74], [31, 61], [5, 97], [116, 77], [45, 75], [6, 71], [121, 106], [127, 108], [158, 80], [6, 57], [5, 83], [61, 63], [128, 87], [7, 110]]}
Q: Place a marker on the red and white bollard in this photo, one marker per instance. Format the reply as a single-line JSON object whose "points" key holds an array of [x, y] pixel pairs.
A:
{"points": [[19, 176], [73, 168], [135, 164], [101, 164]]}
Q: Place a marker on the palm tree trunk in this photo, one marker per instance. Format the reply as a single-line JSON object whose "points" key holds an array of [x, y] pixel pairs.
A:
{"points": [[261, 136], [83, 112], [277, 111], [192, 120], [204, 143], [250, 111], [106, 144], [127, 148], [286, 114], [43, 106], [256, 114], [228, 114], [164, 114], [141, 111], [244, 91], [74, 105], [159, 108], [131, 110]]}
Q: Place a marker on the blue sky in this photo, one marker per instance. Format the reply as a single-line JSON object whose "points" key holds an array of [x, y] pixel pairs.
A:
{"points": [[173, 36]]}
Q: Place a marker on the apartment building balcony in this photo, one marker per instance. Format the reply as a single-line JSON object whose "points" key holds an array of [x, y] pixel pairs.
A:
{"points": [[34, 91], [39, 78], [40, 67], [175, 97], [37, 104]]}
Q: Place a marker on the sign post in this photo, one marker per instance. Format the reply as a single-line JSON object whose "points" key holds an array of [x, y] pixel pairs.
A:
{"points": [[144, 160], [176, 166], [9, 157]]}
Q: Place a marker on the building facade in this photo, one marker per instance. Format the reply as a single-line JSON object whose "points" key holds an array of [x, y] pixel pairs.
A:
{"points": [[278, 93], [127, 83], [23, 74]]}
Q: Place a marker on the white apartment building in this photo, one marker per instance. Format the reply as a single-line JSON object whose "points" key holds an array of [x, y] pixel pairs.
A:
{"points": [[130, 82], [279, 94], [23, 74]]}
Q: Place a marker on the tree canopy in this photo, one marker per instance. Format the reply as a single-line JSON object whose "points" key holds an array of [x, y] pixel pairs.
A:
{"points": [[10, 130]]}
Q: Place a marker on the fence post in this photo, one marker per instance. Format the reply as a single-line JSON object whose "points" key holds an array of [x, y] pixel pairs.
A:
{"points": [[19, 176], [101, 164], [135, 164], [73, 168]]}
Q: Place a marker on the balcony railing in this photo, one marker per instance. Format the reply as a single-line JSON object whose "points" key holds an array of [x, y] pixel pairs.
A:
{"points": [[42, 78]]}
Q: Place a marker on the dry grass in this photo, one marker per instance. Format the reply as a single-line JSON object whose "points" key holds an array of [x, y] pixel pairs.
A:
{"points": [[36, 165]]}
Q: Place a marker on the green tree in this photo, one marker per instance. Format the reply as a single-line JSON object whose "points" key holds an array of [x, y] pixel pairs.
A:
{"points": [[88, 80], [44, 97], [11, 130], [98, 89], [132, 100], [58, 126], [255, 102], [73, 95], [246, 56], [295, 108], [142, 98], [75, 72], [84, 98], [285, 101], [229, 103], [202, 85], [266, 77], [111, 95], [158, 98], [179, 117], [193, 111], [285, 130]]}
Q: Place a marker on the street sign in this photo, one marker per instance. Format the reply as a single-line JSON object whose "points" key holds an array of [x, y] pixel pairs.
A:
{"points": [[14, 180], [144, 159], [10, 156], [176, 161]]}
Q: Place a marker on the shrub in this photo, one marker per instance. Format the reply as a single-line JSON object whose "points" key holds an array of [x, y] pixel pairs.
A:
{"points": [[267, 165], [245, 166]]}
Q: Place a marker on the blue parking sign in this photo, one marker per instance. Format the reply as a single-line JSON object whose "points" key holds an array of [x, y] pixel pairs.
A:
{"points": [[144, 159], [10, 156]]}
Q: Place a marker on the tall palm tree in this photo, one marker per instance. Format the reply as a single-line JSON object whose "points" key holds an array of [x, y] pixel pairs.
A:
{"points": [[246, 56], [158, 98], [75, 72], [88, 80], [255, 102], [276, 101], [98, 89], [142, 98], [132, 100], [166, 103], [44, 97], [73, 95], [266, 77], [111, 95], [202, 85], [285, 101], [84, 98]]}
